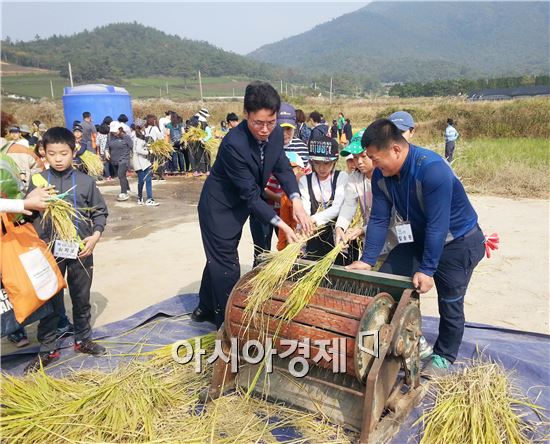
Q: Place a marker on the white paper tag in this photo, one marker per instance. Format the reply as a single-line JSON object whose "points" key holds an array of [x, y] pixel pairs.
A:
{"points": [[404, 233], [40, 273], [65, 249]]}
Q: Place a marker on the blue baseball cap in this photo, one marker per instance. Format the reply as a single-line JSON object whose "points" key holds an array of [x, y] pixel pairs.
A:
{"points": [[402, 120], [286, 117]]}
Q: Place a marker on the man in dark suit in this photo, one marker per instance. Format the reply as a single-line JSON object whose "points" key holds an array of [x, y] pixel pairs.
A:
{"points": [[248, 154]]}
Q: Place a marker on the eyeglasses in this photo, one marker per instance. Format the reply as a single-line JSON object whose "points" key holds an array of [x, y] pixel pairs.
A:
{"points": [[259, 124]]}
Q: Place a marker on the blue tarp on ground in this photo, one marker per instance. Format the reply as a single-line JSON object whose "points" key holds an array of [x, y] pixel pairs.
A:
{"points": [[528, 354]]}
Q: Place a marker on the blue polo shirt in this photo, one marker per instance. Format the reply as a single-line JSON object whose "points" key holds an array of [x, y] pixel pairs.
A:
{"points": [[429, 194]]}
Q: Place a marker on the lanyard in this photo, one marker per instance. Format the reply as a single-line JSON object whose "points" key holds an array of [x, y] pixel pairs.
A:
{"points": [[323, 202], [73, 179], [364, 200], [394, 198]]}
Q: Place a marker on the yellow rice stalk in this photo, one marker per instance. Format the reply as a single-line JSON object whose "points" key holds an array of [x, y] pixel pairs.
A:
{"points": [[269, 280], [144, 401], [478, 404], [156, 165], [92, 163], [193, 134], [61, 215], [212, 146], [303, 290], [357, 220], [161, 149]]}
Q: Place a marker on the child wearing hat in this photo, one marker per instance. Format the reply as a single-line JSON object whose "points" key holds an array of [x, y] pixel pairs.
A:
{"points": [[322, 194], [285, 211], [357, 193]]}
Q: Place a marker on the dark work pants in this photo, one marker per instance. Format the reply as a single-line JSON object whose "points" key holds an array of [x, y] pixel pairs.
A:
{"points": [[222, 270], [449, 150], [121, 169], [178, 161], [78, 274], [261, 236], [457, 262]]}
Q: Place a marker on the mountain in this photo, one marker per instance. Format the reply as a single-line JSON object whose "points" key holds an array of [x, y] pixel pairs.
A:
{"points": [[132, 50], [422, 41]]}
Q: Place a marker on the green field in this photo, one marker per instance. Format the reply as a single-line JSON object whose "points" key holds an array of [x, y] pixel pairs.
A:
{"points": [[38, 85]]}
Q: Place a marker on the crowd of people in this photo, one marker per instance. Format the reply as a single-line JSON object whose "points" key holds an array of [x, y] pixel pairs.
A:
{"points": [[279, 169]]}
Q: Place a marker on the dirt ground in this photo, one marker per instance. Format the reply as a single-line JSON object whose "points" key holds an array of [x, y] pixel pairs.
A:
{"points": [[148, 254]]}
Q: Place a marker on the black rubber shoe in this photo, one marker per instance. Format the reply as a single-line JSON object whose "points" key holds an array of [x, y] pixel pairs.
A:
{"points": [[44, 359], [89, 347], [200, 315]]}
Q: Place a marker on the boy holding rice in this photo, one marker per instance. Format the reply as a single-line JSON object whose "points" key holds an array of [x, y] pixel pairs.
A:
{"points": [[89, 222]]}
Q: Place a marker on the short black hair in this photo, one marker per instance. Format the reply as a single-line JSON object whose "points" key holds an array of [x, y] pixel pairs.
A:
{"points": [[315, 116], [167, 113], [123, 118], [381, 133], [232, 117], [261, 95], [59, 134], [107, 120], [86, 114], [450, 121]]}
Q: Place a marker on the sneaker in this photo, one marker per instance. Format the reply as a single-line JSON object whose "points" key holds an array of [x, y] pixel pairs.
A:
{"points": [[140, 201], [151, 203], [436, 367], [19, 339], [41, 360], [122, 197], [196, 174], [425, 350], [89, 347]]}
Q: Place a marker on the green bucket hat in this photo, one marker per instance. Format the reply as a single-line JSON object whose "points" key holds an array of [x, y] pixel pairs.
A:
{"points": [[354, 146]]}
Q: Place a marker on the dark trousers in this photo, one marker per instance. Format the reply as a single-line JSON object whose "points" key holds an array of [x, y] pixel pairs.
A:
{"points": [[178, 161], [261, 236], [108, 170], [200, 158], [78, 274], [120, 170], [221, 273], [145, 177], [187, 161], [455, 268], [449, 150]]}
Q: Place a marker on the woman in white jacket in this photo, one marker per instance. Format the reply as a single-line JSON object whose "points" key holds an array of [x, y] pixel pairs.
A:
{"points": [[142, 165]]}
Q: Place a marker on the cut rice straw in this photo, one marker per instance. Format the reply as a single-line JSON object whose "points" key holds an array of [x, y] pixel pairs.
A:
{"points": [[153, 400], [304, 289], [62, 216], [479, 404], [92, 163], [161, 149]]}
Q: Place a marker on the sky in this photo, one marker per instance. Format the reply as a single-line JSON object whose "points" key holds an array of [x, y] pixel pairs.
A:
{"points": [[238, 27]]}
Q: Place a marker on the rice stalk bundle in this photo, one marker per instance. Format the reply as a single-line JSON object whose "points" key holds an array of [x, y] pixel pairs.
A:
{"points": [[304, 289], [478, 404], [156, 165], [161, 149], [357, 220], [268, 281], [212, 146], [92, 163], [193, 134], [61, 216]]}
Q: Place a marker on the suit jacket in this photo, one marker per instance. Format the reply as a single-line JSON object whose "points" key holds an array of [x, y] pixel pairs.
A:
{"points": [[233, 190]]}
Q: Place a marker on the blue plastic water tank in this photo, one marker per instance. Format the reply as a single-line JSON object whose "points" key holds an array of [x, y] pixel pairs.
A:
{"points": [[100, 100]]}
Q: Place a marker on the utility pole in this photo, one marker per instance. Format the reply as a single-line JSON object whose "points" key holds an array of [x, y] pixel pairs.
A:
{"points": [[160, 92], [166, 87], [233, 91], [51, 88], [286, 88], [330, 95], [71, 75], [200, 85], [281, 87]]}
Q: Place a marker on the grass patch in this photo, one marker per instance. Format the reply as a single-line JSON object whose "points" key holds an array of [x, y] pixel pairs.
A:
{"points": [[509, 167]]}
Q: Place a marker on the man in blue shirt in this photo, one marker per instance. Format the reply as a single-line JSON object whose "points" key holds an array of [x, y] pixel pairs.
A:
{"points": [[439, 239], [451, 134]]}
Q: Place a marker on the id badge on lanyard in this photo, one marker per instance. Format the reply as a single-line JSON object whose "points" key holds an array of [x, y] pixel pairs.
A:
{"points": [[67, 249], [403, 228]]}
